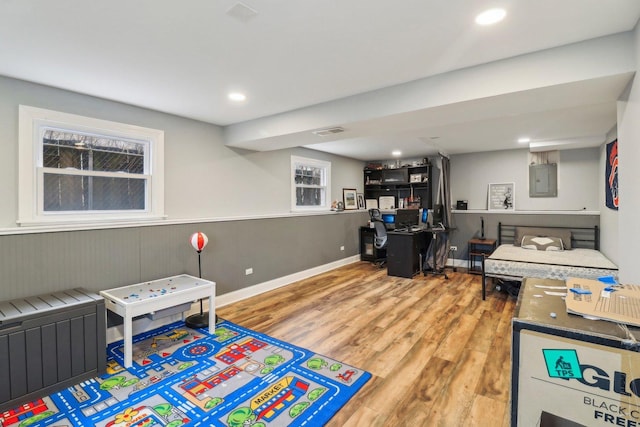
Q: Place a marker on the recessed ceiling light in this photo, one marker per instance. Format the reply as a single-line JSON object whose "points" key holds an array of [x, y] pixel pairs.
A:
{"points": [[524, 140], [237, 96], [491, 16], [396, 153]]}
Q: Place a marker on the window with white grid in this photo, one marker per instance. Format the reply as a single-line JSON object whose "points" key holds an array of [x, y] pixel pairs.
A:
{"points": [[310, 184], [78, 169]]}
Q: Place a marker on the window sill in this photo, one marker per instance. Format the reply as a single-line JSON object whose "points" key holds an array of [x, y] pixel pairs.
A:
{"points": [[60, 224]]}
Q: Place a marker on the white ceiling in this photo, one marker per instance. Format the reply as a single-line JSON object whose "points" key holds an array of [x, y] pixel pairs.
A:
{"points": [[184, 57]]}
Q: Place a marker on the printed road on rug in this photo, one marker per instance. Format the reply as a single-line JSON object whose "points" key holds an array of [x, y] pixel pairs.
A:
{"points": [[186, 377]]}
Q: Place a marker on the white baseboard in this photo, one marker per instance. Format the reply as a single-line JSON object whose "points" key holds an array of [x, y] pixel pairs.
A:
{"points": [[116, 333], [260, 288]]}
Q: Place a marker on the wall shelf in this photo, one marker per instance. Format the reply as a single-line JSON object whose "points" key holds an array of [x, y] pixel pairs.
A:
{"points": [[488, 212]]}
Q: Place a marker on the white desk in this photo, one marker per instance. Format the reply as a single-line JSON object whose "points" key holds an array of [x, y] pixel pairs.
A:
{"points": [[149, 297]]}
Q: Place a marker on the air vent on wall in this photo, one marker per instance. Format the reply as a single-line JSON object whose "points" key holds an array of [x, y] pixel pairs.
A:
{"points": [[329, 131]]}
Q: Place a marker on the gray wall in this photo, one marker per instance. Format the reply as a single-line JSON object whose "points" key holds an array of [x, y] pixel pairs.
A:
{"points": [[103, 259], [208, 187], [580, 187], [203, 177], [578, 184]]}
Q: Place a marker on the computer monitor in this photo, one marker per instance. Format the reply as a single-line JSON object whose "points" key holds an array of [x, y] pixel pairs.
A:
{"points": [[389, 219], [407, 217]]}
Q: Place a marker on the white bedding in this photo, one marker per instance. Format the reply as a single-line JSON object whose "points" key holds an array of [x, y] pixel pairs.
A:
{"points": [[509, 261]]}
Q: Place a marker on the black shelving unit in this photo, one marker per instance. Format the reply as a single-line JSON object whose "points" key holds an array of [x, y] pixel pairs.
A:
{"points": [[409, 183]]}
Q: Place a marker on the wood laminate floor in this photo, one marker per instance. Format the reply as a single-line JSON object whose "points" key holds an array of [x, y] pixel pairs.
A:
{"points": [[439, 355]]}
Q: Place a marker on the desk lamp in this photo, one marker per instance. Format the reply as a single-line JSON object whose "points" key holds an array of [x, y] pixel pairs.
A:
{"points": [[199, 320]]}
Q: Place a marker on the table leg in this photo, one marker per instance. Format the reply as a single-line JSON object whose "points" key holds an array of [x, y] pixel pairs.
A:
{"points": [[436, 271], [484, 281], [212, 312], [128, 341]]}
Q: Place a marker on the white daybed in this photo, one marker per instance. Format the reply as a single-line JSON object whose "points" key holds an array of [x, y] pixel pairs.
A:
{"points": [[576, 256]]}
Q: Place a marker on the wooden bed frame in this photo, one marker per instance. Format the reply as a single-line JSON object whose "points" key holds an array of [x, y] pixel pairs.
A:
{"points": [[581, 237]]}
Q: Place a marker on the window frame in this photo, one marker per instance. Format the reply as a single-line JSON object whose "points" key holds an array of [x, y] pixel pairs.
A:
{"points": [[34, 121], [326, 165]]}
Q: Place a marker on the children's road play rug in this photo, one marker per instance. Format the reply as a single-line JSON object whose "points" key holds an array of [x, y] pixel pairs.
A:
{"points": [[182, 376]]}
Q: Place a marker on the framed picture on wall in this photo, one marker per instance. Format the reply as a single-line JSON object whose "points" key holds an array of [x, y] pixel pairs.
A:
{"points": [[349, 197], [360, 201], [501, 197], [387, 202]]}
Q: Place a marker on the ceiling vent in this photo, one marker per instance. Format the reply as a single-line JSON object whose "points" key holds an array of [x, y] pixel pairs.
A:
{"points": [[242, 12], [328, 131]]}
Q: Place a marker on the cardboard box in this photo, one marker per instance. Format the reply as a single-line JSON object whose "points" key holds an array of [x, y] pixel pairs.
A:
{"points": [[567, 370]]}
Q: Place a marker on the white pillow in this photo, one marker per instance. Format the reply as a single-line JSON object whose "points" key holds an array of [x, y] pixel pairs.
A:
{"points": [[542, 243]]}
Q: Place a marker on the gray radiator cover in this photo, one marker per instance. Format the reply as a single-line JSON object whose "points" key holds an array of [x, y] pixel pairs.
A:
{"points": [[49, 342]]}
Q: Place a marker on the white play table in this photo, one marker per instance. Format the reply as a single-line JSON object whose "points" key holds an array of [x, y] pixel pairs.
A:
{"points": [[150, 297]]}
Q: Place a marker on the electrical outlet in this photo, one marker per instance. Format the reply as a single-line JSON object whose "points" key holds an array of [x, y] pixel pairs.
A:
{"points": [[342, 248], [453, 248], [248, 271]]}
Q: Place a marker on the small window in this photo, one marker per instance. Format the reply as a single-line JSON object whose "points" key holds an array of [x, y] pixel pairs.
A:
{"points": [[310, 184], [75, 168]]}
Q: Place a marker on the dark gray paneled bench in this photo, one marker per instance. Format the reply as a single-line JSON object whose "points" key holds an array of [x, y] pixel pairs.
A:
{"points": [[49, 342]]}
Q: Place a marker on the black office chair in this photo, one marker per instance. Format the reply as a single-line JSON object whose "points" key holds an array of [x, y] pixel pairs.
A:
{"points": [[380, 238]]}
